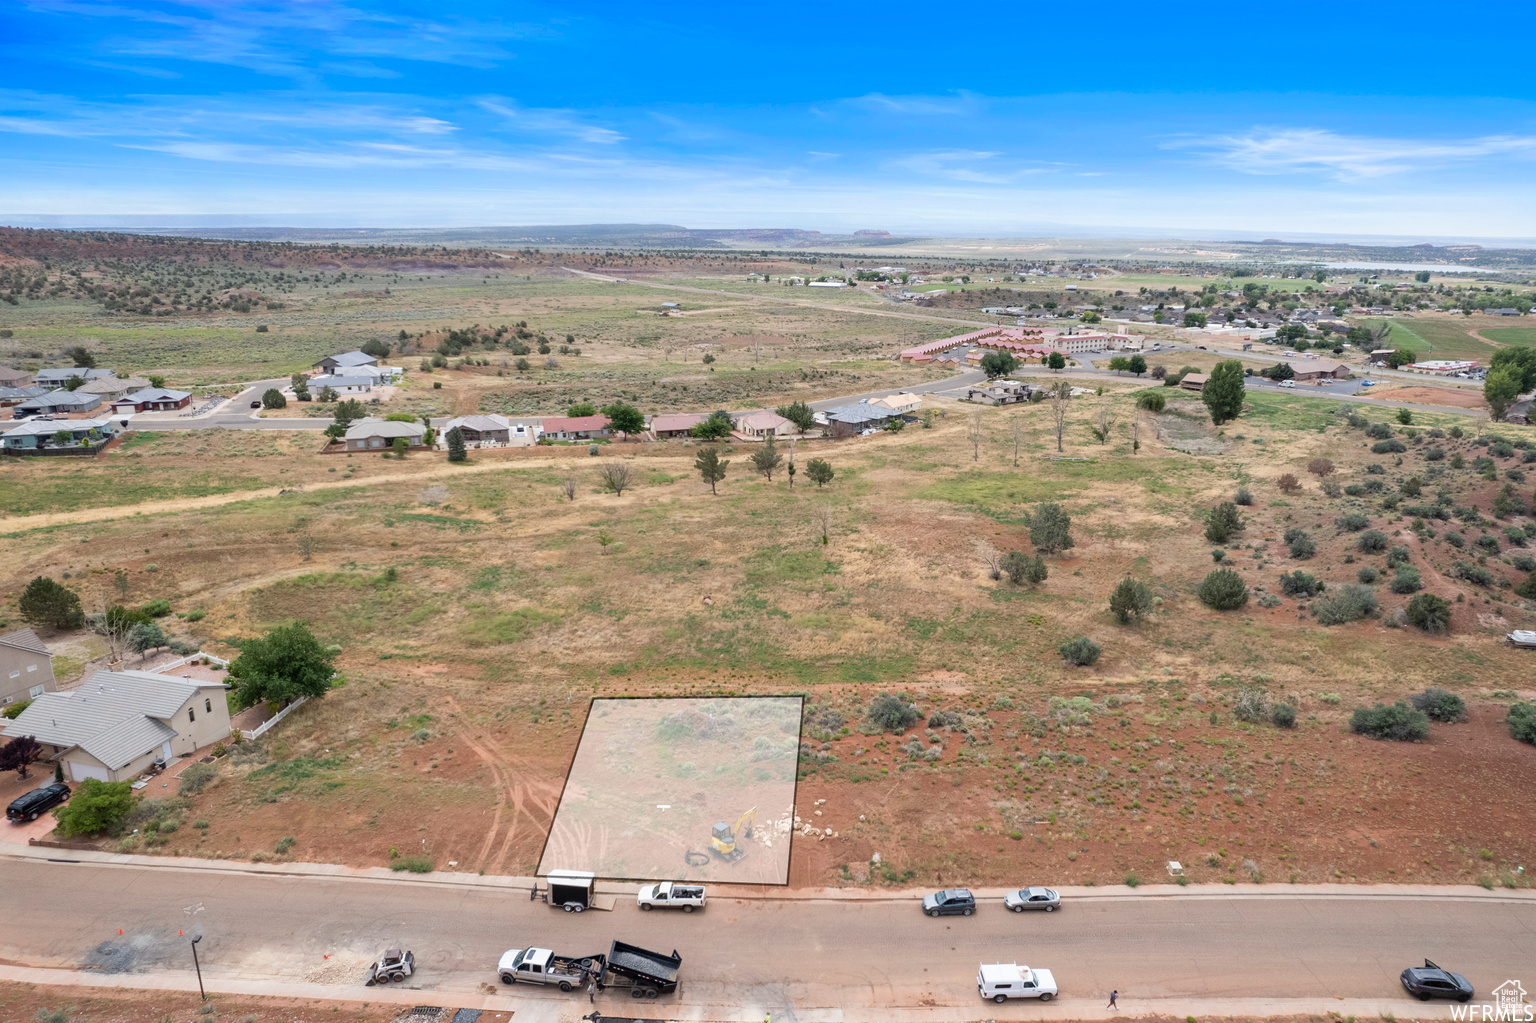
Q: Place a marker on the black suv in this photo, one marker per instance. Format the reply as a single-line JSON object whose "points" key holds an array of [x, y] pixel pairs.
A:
{"points": [[953, 902], [34, 804], [1430, 981]]}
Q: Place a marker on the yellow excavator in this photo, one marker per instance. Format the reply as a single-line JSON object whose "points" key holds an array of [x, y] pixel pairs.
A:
{"points": [[727, 839]]}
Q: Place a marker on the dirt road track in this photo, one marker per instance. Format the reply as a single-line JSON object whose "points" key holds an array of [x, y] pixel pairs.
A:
{"points": [[1179, 951]]}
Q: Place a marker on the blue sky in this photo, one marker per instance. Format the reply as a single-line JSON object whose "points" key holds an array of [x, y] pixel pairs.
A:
{"points": [[1213, 120]]}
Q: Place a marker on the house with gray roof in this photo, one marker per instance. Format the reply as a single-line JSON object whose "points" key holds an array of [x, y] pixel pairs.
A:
{"points": [[118, 723], [372, 434], [342, 383], [26, 667], [17, 395], [57, 403], [490, 431], [60, 377], [152, 399], [346, 360], [33, 435]]}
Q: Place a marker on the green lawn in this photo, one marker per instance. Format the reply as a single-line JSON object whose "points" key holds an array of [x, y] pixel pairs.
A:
{"points": [[1511, 335], [1440, 339]]}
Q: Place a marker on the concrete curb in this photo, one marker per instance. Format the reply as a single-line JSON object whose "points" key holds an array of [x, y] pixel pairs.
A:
{"points": [[723, 890]]}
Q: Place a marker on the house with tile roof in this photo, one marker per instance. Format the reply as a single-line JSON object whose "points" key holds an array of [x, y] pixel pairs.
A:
{"points": [[575, 427], [26, 667], [109, 388], [372, 434], [153, 399], [681, 424], [764, 424], [118, 723]]}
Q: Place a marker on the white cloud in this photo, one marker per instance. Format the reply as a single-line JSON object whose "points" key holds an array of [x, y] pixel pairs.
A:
{"points": [[565, 123], [1346, 157]]}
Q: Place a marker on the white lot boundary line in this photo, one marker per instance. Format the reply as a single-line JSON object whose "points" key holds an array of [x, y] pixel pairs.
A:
{"points": [[336, 872], [547, 1007]]}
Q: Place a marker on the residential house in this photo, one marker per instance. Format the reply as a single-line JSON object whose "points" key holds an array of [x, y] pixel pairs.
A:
{"points": [[1194, 381], [58, 403], [152, 399], [1502, 312], [60, 377], [372, 434], [346, 360], [488, 431], [17, 395], [37, 434], [861, 417], [118, 723], [342, 383], [902, 403], [112, 388], [1322, 369], [26, 667], [380, 375], [1000, 392], [674, 426], [575, 427], [768, 424], [15, 377]]}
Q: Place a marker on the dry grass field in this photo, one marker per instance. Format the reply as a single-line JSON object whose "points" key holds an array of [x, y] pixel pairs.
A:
{"points": [[477, 612]]}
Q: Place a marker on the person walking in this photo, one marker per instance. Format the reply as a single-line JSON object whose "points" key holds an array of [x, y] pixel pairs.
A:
{"points": [[1113, 996]]}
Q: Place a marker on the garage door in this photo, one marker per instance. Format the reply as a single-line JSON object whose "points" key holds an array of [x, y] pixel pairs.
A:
{"points": [[80, 772]]}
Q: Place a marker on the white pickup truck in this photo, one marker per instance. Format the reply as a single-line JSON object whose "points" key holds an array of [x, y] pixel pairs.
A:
{"points": [[1002, 981], [541, 966], [671, 895]]}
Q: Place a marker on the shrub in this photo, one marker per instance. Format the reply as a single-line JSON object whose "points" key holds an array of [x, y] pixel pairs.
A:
{"points": [[1021, 568], [1372, 541], [1251, 706], [1080, 652], [1223, 590], [1288, 483], [1222, 522], [1354, 522], [1515, 536], [1522, 722], [1283, 715], [1300, 543], [1050, 529], [1434, 454], [1378, 431], [1397, 723], [1152, 401], [1455, 539], [1429, 612], [1367, 574], [196, 778], [1399, 555], [1489, 543], [95, 807], [1243, 497], [1476, 574], [1440, 705], [1131, 599], [157, 608], [1388, 447], [1320, 467], [415, 864], [1406, 580], [1346, 603], [1299, 584], [891, 713], [1526, 589]]}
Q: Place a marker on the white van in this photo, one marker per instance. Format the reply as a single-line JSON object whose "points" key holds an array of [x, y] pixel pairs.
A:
{"points": [[1002, 981]]}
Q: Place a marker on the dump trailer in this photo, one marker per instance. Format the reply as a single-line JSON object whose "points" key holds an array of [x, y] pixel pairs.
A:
{"points": [[646, 973]]}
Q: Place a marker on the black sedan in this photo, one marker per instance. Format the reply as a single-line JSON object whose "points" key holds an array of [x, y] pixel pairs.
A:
{"points": [[1430, 981], [951, 902]]}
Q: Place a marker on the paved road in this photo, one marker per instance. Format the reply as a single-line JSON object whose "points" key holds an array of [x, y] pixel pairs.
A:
{"points": [[752, 955], [235, 414]]}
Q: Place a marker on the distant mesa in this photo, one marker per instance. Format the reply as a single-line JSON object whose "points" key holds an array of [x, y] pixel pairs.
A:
{"points": [[871, 234]]}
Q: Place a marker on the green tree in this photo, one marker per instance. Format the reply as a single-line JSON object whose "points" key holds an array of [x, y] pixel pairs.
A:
{"points": [[998, 364], [1194, 319], [766, 459], [800, 414], [1056, 361], [1138, 365], [716, 427], [1132, 599], [1400, 357], [1119, 364], [819, 471], [1021, 568], [378, 349], [1223, 590], [273, 399], [327, 393], [625, 418], [63, 438], [96, 806], [146, 636], [1222, 522], [286, 663], [349, 412], [1429, 612], [1223, 393], [300, 384], [456, 450], [155, 381], [581, 410], [400, 446], [82, 357], [1050, 529], [48, 604], [1518, 358], [1500, 389], [1152, 401], [1404, 416], [711, 466], [1280, 371]]}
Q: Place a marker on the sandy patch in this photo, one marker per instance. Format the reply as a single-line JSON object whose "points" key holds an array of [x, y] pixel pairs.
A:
{"points": [[1432, 396]]}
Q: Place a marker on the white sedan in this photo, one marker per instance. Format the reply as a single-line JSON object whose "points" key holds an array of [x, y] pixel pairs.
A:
{"points": [[1032, 898]]}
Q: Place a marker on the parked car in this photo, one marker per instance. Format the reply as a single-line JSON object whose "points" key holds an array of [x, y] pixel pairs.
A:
{"points": [[34, 804], [1002, 981], [1287, 383], [255, 404], [950, 902], [1032, 898], [1430, 981], [669, 895], [1367, 383]]}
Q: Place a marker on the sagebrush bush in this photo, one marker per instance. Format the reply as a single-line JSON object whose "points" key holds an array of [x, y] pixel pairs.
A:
{"points": [[1399, 555], [1372, 541], [1522, 722], [1243, 497], [1251, 705], [1080, 652], [1354, 522], [891, 713], [1429, 612], [1388, 447], [1301, 544], [1440, 705], [1396, 723], [1367, 574], [1406, 580], [1347, 603], [1299, 584], [1283, 715]]}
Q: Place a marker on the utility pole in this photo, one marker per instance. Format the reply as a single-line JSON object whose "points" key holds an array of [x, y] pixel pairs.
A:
{"points": [[198, 966]]}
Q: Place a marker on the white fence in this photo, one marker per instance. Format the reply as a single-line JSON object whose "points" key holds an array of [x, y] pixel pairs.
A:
{"points": [[261, 729], [183, 661]]}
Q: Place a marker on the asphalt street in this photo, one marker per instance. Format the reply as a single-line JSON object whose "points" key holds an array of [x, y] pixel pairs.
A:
{"points": [[756, 954]]}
